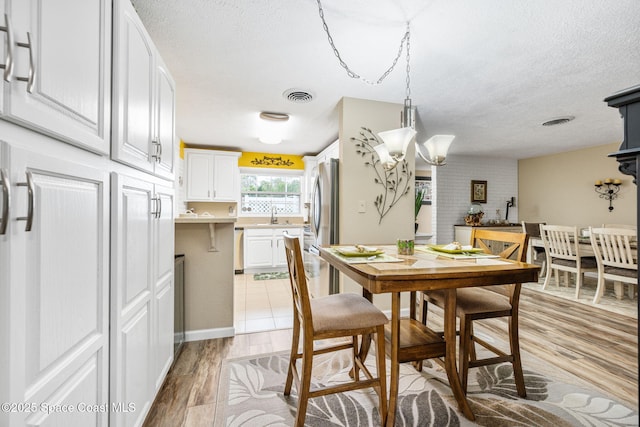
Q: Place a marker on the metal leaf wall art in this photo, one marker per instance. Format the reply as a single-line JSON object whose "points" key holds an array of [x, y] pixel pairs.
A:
{"points": [[395, 183]]}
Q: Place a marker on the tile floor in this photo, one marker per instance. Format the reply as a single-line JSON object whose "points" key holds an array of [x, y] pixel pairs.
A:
{"points": [[264, 305], [261, 305]]}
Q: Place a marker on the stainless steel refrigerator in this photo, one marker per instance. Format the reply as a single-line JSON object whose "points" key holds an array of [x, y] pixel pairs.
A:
{"points": [[323, 218]]}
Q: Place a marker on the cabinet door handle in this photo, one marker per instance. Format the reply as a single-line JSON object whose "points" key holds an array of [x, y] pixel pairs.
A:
{"points": [[31, 192], [8, 62], [6, 199], [157, 206], [31, 77], [158, 151]]}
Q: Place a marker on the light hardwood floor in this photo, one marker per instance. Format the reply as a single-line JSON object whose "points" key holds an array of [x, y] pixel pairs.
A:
{"points": [[597, 346]]}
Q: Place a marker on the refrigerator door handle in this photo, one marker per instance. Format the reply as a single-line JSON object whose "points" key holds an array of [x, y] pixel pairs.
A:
{"points": [[316, 205]]}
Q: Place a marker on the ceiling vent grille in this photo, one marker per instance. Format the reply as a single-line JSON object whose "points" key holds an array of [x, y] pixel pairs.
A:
{"points": [[298, 96]]}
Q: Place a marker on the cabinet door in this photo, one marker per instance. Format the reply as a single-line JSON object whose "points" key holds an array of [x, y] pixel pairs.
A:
{"points": [[199, 165], [68, 67], [131, 297], [226, 178], [164, 141], [57, 305], [258, 251], [163, 277], [279, 254], [133, 74]]}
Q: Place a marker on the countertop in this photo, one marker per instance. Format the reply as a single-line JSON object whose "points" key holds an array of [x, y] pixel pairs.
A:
{"points": [[205, 220], [282, 225]]}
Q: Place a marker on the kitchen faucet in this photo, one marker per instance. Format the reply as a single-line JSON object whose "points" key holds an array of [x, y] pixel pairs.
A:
{"points": [[274, 210]]}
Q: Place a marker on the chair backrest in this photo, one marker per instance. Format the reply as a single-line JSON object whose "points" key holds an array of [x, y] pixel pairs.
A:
{"points": [[561, 241], [298, 281], [612, 247], [532, 228], [510, 246]]}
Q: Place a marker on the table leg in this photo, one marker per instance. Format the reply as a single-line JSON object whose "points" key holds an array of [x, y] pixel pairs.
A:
{"points": [[395, 366], [450, 358]]}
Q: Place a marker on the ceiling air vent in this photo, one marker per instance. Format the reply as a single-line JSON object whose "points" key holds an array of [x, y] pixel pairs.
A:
{"points": [[558, 121], [298, 96]]}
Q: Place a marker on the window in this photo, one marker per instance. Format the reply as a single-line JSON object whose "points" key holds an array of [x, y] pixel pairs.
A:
{"points": [[262, 191]]}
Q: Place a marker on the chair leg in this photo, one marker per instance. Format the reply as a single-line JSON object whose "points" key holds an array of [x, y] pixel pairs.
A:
{"points": [[295, 342], [514, 341], [356, 355], [547, 277], [472, 344], [599, 289], [579, 278], [465, 346], [305, 381], [382, 373]]}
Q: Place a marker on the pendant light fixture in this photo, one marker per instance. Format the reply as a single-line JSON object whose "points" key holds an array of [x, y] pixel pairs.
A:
{"points": [[395, 142]]}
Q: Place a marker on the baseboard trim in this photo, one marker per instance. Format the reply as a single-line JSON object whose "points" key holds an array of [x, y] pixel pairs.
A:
{"points": [[208, 334]]}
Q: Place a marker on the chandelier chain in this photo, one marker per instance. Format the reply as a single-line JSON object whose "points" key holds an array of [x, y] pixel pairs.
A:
{"points": [[354, 75]]}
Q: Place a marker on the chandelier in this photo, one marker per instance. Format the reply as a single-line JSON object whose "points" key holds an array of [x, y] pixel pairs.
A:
{"points": [[396, 141]]}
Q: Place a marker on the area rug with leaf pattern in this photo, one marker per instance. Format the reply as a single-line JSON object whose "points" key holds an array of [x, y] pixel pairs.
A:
{"points": [[251, 394]]}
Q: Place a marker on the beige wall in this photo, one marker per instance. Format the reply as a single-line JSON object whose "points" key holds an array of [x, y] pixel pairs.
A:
{"points": [[357, 183], [559, 189], [208, 279]]}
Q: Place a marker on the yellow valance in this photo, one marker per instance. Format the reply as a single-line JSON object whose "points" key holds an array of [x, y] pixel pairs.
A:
{"points": [[266, 160]]}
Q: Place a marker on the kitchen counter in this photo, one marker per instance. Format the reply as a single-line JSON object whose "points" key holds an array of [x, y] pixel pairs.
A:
{"points": [[283, 225], [205, 220]]}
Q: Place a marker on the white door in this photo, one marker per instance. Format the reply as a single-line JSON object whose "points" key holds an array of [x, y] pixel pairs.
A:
{"points": [[199, 167], [164, 284], [64, 53], [165, 119], [133, 73], [225, 178], [131, 297], [57, 307]]}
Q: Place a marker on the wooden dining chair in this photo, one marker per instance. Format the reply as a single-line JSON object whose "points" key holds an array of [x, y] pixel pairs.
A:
{"points": [[616, 258], [533, 230], [329, 317], [474, 304], [564, 254]]}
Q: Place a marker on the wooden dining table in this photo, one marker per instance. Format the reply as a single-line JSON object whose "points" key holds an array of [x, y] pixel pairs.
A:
{"points": [[424, 271]]}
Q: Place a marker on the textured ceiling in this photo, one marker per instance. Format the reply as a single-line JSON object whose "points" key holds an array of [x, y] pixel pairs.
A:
{"points": [[488, 72]]}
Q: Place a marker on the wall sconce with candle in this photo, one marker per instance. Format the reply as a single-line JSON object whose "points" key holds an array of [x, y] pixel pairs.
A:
{"points": [[608, 190]]}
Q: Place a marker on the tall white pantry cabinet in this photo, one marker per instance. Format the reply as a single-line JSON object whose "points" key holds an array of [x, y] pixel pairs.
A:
{"points": [[86, 215]]}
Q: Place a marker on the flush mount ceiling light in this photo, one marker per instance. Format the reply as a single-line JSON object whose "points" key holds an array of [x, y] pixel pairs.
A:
{"points": [[271, 128], [395, 142], [276, 117], [558, 121]]}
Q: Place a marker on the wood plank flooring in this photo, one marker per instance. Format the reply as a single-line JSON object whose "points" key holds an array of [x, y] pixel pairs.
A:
{"points": [[597, 346]]}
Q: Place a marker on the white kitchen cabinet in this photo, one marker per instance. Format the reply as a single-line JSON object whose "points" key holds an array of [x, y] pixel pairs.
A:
{"points": [[143, 98], [212, 176], [141, 293], [310, 173], [60, 82], [54, 297], [264, 247]]}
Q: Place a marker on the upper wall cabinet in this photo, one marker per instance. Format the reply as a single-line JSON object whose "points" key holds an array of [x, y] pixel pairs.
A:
{"points": [[212, 176], [143, 133], [57, 69]]}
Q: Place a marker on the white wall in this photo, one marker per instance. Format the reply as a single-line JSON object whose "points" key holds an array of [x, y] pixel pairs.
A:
{"points": [[452, 191]]}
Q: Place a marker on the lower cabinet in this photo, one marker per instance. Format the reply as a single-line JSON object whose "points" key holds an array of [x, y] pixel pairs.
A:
{"points": [[142, 294], [264, 247]]}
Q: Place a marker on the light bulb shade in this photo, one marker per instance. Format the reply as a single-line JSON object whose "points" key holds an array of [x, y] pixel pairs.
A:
{"points": [[386, 160], [397, 141], [437, 147]]}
